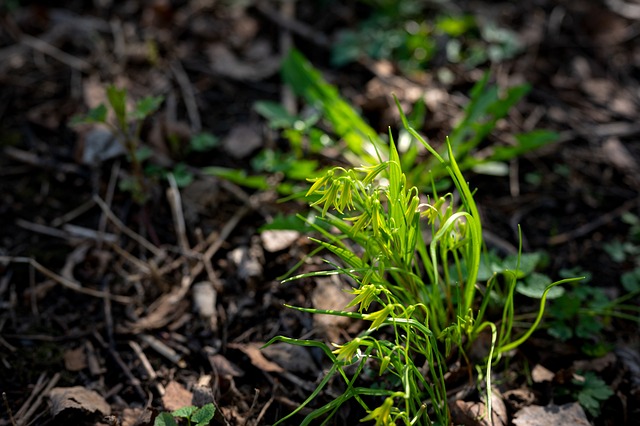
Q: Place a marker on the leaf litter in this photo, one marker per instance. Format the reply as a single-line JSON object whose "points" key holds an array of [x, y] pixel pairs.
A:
{"points": [[112, 309]]}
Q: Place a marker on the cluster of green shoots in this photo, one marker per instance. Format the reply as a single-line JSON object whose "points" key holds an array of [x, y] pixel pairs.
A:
{"points": [[414, 268]]}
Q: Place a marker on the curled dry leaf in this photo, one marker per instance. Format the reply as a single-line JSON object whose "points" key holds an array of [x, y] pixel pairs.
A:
{"points": [[221, 366], [252, 350], [475, 413], [78, 398]]}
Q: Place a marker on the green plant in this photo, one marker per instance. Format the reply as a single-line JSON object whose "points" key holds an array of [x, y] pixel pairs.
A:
{"points": [[585, 312], [193, 415], [127, 126], [589, 390], [404, 36], [622, 252], [487, 105], [420, 298]]}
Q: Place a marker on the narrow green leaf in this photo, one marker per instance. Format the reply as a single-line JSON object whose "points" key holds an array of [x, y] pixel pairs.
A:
{"points": [[95, 115], [238, 176], [307, 82], [118, 101], [147, 106], [277, 116]]}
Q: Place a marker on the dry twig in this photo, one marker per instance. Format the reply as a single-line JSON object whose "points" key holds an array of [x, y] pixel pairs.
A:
{"points": [[65, 282]]}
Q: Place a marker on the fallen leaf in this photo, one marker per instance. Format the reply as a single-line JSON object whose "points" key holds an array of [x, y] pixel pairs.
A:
{"points": [[75, 359], [294, 359], [565, 415], [475, 413], [176, 396], [86, 401], [135, 416], [221, 365], [541, 374], [518, 398], [252, 350]]}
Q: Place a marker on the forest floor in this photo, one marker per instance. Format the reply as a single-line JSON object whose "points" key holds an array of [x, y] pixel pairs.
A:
{"points": [[148, 307]]}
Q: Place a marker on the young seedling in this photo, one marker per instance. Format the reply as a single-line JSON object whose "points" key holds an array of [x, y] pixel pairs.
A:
{"points": [[193, 415], [126, 126]]}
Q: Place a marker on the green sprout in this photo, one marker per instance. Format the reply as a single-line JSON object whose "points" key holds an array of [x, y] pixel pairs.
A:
{"points": [[127, 128]]}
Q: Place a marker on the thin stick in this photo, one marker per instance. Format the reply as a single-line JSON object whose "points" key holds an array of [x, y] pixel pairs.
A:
{"points": [[111, 188], [133, 380], [65, 282], [175, 202], [215, 246], [36, 405], [131, 234], [36, 390], [70, 232], [6, 404], [142, 266], [69, 216], [163, 350], [148, 368], [297, 27], [48, 49], [189, 98], [288, 11]]}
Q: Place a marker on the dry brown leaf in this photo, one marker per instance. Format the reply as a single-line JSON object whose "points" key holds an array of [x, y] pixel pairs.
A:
{"points": [[252, 350], [295, 359], [541, 374], [75, 359], [176, 396], [222, 366], [475, 413], [163, 311], [78, 398], [518, 398], [565, 415], [135, 416]]}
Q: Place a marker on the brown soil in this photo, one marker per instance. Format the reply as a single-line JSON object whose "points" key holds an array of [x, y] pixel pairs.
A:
{"points": [[101, 293]]}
